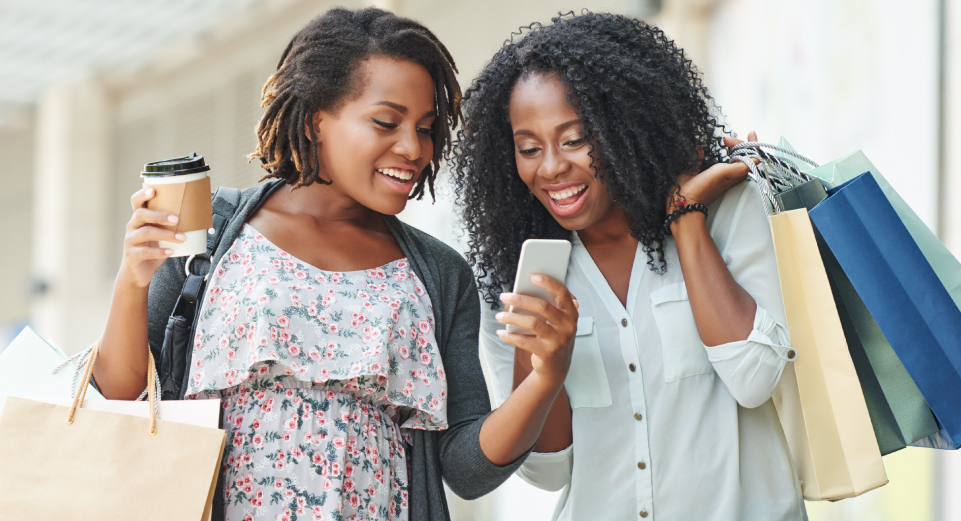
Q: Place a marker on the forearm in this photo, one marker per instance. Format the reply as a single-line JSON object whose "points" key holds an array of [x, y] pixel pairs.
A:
{"points": [[556, 433], [534, 406], [121, 369], [723, 311]]}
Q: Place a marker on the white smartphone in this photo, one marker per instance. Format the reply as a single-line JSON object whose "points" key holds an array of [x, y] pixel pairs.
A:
{"points": [[539, 257]]}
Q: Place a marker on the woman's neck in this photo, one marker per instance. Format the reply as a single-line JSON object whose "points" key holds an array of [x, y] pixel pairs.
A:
{"points": [[327, 205], [612, 229]]}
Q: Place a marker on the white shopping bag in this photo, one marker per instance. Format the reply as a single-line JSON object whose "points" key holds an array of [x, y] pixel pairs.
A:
{"points": [[27, 370]]}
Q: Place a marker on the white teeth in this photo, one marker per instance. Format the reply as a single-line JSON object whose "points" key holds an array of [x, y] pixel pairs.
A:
{"points": [[568, 192], [404, 175]]}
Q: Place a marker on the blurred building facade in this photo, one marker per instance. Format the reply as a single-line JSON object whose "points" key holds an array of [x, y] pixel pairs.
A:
{"points": [[831, 76]]}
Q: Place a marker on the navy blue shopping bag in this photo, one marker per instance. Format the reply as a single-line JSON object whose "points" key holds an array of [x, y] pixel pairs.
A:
{"points": [[901, 291]]}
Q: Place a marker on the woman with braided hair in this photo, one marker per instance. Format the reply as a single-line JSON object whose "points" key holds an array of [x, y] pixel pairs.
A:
{"points": [[598, 129], [342, 342]]}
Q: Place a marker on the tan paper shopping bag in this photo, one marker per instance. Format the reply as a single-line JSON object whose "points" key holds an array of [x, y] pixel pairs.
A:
{"points": [[819, 400], [73, 463]]}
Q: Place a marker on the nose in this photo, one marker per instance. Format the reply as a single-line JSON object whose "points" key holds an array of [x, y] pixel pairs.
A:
{"points": [[408, 145], [554, 164]]}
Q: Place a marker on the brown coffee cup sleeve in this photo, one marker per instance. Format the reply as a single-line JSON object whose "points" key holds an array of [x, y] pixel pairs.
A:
{"points": [[188, 201]]}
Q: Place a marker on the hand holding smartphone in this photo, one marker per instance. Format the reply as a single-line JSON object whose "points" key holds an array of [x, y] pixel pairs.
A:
{"points": [[547, 257]]}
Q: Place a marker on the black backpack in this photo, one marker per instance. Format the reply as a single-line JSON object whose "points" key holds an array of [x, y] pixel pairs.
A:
{"points": [[174, 363]]}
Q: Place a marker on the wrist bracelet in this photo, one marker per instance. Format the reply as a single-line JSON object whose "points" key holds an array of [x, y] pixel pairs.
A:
{"points": [[681, 210]]}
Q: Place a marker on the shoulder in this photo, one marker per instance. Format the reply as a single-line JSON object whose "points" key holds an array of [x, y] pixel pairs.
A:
{"points": [[745, 188], [257, 193], [741, 200]]}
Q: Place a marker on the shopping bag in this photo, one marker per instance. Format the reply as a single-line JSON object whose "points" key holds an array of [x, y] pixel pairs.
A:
{"points": [[819, 400], [78, 463], [900, 288], [31, 367], [944, 264], [899, 413]]}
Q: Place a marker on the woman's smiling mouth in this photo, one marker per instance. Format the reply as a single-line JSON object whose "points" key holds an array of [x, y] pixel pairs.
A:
{"points": [[400, 179], [566, 199]]}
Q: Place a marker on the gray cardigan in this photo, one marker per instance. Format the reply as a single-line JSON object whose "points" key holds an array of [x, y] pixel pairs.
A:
{"points": [[453, 455]]}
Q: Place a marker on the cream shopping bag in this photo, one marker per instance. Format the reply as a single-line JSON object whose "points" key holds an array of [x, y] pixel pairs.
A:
{"points": [[819, 399], [59, 462]]}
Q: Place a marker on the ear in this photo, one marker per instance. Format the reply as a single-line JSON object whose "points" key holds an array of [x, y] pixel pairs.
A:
{"points": [[313, 121]]}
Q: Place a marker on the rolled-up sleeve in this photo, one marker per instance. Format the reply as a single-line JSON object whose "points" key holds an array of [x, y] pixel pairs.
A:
{"points": [[751, 368]]}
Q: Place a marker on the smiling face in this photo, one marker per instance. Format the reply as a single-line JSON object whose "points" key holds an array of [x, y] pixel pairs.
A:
{"points": [[552, 154], [377, 144]]}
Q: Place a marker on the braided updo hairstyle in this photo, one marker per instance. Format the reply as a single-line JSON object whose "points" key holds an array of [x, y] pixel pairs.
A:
{"points": [[646, 116], [319, 71]]}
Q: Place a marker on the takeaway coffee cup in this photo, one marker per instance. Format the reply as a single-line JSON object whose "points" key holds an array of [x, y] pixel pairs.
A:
{"points": [[183, 189]]}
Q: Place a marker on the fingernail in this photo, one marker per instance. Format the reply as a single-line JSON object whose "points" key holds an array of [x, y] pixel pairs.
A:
{"points": [[172, 218], [499, 316], [505, 297], [180, 236], [149, 192], [501, 332], [537, 278], [168, 252]]}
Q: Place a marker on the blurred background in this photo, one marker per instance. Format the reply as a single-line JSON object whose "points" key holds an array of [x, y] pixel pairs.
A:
{"points": [[90, 90]]}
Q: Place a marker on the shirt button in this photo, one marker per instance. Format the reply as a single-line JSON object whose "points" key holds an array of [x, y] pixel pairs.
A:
{"points": [[643, 513], [632, 367], [624, 322], [641, 465], [637, 416]]}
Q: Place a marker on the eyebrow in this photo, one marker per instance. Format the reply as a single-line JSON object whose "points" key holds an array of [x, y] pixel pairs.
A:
{"points": [[562, 126], [402, 109]]}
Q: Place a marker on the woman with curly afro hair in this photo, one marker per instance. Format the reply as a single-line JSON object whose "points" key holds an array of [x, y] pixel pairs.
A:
{"points": [[598, 129]]}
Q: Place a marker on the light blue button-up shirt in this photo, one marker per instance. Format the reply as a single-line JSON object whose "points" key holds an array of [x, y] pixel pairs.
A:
{"points": [[666, 428]]}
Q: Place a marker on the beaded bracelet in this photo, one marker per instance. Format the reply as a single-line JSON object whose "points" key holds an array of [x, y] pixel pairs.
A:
{"points": [[681, 210]]}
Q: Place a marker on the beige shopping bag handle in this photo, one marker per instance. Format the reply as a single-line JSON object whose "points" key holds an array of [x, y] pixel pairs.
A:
{"points": [[88, 372]]}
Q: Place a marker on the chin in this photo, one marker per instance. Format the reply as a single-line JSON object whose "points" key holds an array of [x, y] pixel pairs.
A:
{"points": [[573, 223], [388, 207]]}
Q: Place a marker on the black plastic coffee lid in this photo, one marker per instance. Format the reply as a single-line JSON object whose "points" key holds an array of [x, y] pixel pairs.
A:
{"points": [[191, 164]]}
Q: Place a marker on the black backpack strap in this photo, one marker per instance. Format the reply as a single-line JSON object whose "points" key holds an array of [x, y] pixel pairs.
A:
{"points": [[225, 203], [177, 338]]}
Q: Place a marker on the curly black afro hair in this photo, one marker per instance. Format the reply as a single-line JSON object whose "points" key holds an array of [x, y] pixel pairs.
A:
{"points": [[646, 115]]}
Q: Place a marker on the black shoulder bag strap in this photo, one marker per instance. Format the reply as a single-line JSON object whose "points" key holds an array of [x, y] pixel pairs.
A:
{"points": [[175, 352]]}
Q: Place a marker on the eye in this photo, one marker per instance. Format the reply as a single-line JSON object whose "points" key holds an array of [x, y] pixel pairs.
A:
{"points": [[426, 131], [528, 151], [574, 142], [384, 124]]}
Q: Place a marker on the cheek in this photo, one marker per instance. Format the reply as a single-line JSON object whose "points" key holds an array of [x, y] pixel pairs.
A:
{"points": [[583, 160], [427, 150], [526, 170]]}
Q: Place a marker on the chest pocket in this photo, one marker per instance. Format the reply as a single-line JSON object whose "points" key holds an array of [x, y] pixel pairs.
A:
{"points": [[586, 382], [683, 352]]}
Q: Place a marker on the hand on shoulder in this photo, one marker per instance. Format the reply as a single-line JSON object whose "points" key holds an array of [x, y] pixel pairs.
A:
{"points": [[709, 185]]}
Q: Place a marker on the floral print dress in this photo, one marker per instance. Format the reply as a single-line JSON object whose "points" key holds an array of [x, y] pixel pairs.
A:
{"points": [[321, 374]]}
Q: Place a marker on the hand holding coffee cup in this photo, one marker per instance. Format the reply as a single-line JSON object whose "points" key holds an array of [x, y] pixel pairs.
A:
{"points": [[154, 231], [183, 189]]}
